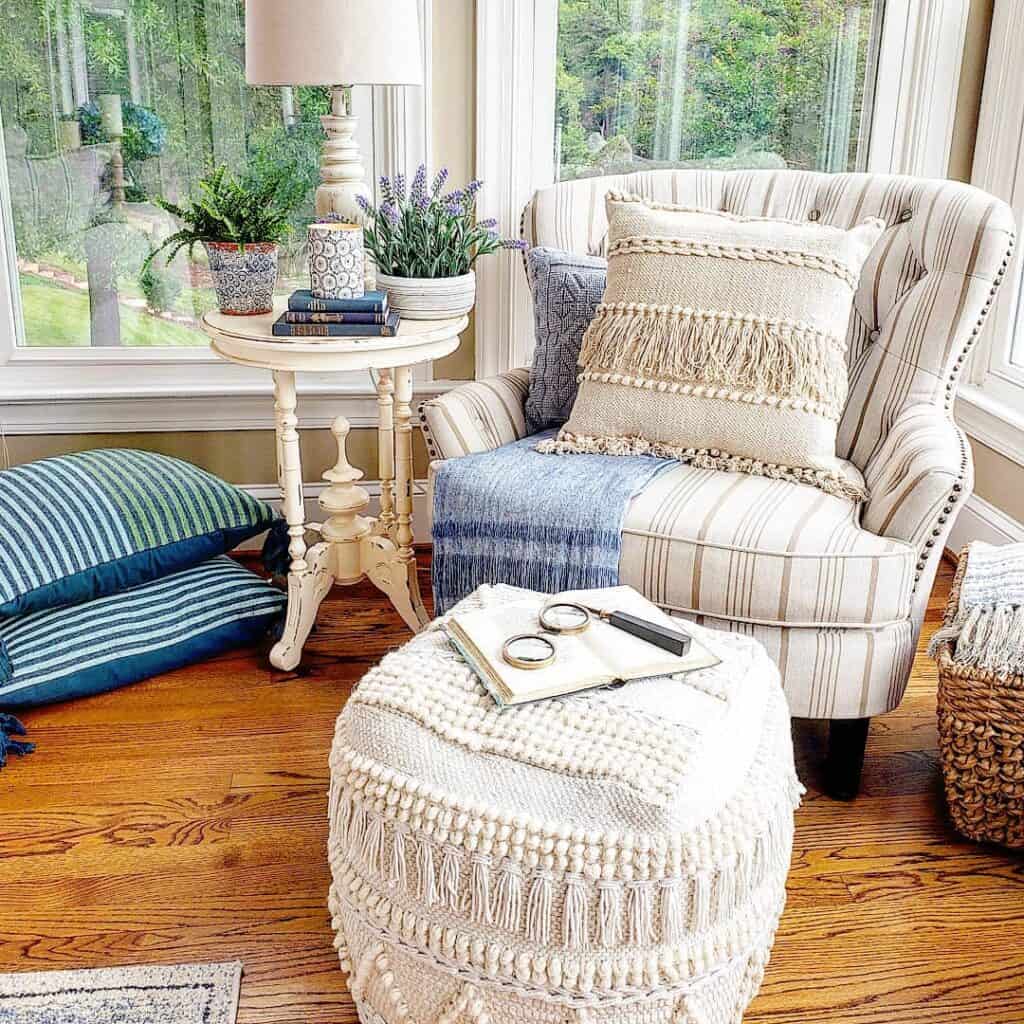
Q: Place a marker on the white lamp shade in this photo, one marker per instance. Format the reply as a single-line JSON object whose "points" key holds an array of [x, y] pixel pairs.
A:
{"points": [[332, 42]]}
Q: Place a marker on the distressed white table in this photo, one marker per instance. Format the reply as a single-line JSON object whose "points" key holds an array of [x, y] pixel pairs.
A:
{"points": [[352, 546]]}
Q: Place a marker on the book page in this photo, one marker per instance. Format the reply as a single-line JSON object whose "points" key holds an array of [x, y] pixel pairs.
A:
{"points": [[575, 665], [625, 656], [599, 655]]}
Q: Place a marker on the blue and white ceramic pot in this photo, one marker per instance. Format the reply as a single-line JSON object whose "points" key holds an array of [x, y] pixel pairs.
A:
{"points": [[337, 262], [244, 278]]}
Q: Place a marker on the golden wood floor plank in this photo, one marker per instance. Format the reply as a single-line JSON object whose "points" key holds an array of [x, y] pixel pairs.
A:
{"points": [[185, 819]]}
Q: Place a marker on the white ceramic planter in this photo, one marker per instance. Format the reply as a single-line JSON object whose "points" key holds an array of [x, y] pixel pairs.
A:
{"points": [[429, 298]]}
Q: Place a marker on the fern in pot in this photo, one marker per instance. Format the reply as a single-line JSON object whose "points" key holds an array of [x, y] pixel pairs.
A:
{"points": [[426, 242], [239, 222]]}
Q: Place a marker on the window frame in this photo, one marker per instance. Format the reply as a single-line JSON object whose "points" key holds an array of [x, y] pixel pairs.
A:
{"points": [[990, 406], [913, 108], [72, 390]]}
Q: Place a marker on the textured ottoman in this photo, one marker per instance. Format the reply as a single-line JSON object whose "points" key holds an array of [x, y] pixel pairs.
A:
{"points": [[616, 856]]}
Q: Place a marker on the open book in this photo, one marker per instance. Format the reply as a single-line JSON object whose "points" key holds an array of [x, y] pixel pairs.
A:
{"points": [[598, 656]]}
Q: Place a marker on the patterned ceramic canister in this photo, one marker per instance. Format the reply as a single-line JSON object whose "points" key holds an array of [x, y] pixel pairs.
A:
{"points": [[244, 279], [337, 265]]}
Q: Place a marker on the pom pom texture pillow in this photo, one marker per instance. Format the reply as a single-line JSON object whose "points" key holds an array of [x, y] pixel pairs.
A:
{"points": [[80, 526], [720, 341]]}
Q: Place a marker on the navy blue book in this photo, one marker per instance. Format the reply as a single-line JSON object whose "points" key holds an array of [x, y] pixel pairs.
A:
{"points": [[335, 318], [283, 329], [303, 301]]}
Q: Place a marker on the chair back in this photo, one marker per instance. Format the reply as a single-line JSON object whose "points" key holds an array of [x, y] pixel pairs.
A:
{"points": [[923, 293]]}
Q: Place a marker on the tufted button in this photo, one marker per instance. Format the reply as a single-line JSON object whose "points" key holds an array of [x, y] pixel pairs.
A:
{"points": [[904, 216], [814, 215], [875, 335]]}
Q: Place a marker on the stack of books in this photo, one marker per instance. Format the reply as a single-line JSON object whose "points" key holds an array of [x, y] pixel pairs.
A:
{"points": [[309, 317]]}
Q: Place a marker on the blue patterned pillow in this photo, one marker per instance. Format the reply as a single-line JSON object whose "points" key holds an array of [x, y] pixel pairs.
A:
{"points": [[112, 641], [566, 292], [80, 526]]}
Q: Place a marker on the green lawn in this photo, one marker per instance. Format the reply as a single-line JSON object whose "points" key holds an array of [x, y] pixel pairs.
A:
{"points": [[57, 317]]}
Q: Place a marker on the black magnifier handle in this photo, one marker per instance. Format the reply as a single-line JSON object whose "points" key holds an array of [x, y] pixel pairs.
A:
{"points": [[660, 636]]}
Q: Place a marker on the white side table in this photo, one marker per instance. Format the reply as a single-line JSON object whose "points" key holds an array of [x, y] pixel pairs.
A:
{"points": [[352, 546]]}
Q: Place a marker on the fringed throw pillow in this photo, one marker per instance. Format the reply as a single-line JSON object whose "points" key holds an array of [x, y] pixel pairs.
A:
{"points": [[721, 341]]}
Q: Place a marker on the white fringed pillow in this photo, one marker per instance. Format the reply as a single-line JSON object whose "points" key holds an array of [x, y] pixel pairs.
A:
{"points": [[721, 341]]}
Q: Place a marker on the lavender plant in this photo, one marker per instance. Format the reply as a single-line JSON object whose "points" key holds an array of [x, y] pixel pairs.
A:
{"points": [[427, 232]]}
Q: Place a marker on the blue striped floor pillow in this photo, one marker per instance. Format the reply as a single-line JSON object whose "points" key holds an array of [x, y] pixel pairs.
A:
{"points": [[112, 641], [77, 527]]}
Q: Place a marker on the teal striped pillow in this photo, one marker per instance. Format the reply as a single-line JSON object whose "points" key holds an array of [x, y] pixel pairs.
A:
{"points": [[80, 526], [112, 641]]}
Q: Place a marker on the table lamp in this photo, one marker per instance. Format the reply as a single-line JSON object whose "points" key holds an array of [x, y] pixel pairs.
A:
{"points": [[337, 43]]}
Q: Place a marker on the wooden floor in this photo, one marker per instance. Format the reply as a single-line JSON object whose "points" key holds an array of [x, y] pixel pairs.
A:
{"points": [[184, 819]]}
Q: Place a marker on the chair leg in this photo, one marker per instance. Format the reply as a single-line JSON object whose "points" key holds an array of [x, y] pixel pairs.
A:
{"points": [[847, 738]]}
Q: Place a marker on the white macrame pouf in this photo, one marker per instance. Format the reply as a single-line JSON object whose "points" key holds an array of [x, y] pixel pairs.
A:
{"points": [[618, 856]]}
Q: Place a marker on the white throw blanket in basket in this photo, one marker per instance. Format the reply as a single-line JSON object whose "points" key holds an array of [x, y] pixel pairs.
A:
{"points": [[988, 629]]}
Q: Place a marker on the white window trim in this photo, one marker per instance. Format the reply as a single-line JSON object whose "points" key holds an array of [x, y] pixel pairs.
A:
{"points": [[515, 118], [990, 406], [46, 391], [915, 93], [913, 111]]}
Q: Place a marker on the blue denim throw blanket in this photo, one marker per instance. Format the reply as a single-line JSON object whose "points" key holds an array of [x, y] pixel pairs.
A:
{"points": [[544, 522]]}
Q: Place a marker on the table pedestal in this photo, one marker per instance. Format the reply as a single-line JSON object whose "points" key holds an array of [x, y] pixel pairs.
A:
{"points": [[352, 546]]}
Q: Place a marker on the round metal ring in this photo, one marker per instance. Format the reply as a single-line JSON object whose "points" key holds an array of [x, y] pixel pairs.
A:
{"points": [[517, 661], [549, 619]]}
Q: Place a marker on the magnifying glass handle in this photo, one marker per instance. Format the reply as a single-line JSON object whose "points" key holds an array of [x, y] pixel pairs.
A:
{"points": [[661, 636]]}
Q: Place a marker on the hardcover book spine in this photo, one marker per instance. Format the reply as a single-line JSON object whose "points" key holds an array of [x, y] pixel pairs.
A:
{"points": [[283, 329], [304, 302], [293, 317]]}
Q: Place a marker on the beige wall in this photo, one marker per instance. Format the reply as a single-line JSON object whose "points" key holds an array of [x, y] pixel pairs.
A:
{"points": [[968, 100], [246, 457], [241, 456], [999, 480]]}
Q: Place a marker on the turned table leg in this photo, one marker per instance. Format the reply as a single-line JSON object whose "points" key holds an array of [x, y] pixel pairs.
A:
{"points": [[343, 501], [289, 468], [403, 488], [309, 575], [388, 557], [386, 450]]}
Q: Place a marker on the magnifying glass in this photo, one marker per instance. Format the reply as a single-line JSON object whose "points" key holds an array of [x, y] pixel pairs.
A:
{"points": [[565, 617], [529, 651], [533, 650]]}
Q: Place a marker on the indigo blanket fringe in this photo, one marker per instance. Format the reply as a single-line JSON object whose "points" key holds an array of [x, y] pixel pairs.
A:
{"points": [[543, 522]]}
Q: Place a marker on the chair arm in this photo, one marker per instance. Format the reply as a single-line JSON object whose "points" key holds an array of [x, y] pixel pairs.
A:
{"points": [[918, 480], [476, 417]]}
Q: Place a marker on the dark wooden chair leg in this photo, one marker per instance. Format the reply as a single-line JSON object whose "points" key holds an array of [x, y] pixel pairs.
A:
{"points": [[847, 738]]}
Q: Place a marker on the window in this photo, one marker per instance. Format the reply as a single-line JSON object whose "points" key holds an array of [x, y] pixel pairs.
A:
{"points": [[643, 84], [581, 88], [104, 105]]}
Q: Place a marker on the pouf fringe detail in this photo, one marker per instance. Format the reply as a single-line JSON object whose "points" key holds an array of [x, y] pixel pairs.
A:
{"points": [[621, 980], [625, 907], [563, 862]]}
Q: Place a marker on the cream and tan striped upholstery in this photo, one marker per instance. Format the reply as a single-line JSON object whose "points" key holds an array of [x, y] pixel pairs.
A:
{"points": [[836, 592]]}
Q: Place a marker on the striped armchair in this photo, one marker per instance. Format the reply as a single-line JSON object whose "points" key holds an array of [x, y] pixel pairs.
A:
{"points": [[835, 592]]}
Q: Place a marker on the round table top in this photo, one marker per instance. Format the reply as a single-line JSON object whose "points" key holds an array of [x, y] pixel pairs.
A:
{"points": [[248, 340]]}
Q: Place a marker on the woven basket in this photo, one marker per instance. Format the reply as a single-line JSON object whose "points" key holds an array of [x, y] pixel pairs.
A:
{"points": [[981, 742]]}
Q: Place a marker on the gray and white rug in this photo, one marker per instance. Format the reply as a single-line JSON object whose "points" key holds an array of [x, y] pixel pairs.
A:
{"points": [[181, 994]]}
